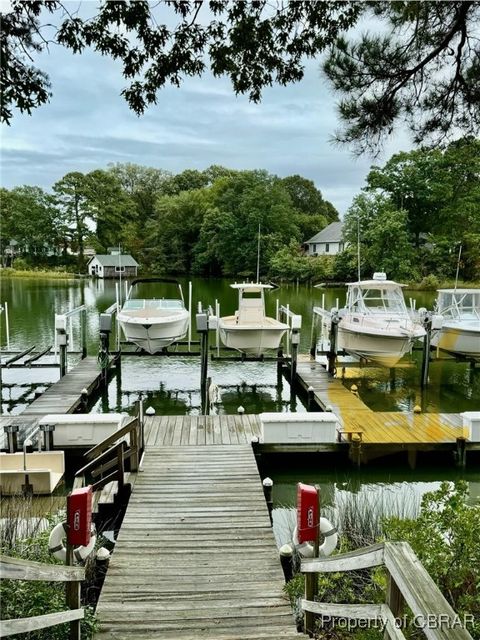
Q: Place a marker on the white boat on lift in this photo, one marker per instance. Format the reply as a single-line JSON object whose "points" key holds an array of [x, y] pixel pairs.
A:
{"points": [[154, 323], [457, 314], [250, 330], [375, 323]]}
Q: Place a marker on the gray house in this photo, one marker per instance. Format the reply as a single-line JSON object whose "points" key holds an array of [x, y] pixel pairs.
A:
{"points": [[113, 266], [327, 242]]}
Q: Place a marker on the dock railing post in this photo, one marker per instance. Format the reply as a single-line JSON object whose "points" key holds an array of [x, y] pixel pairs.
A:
{"points": [[295, 340]]}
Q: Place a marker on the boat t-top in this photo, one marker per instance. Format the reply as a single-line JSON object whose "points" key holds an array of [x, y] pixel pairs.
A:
{"points": [[375, 323], [153, 324], [458, 315], [250, 330]]}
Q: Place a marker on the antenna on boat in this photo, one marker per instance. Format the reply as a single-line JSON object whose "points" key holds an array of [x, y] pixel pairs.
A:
{"points": [[458, 265], [358, 247], [258, 254]]}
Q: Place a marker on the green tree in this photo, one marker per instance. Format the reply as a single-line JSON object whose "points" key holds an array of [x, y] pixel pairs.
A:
{"points": [[174, 230], [384, 237], [110, 207], [238, 205], [29, 216], [421, 66], [72, 197]]}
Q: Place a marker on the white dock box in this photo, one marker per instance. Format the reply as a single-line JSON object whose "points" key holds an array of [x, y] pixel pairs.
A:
{"points": [[471, 420], [296, 428], [82, 429]]}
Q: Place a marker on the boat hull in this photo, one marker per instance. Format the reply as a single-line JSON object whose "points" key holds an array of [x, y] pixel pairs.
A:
{"points": [[385, 350], [252, 340], [459, 339], [152, 334]]}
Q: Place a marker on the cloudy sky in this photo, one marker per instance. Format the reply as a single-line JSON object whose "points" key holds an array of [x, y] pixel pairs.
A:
{"points": [[87, 125]]}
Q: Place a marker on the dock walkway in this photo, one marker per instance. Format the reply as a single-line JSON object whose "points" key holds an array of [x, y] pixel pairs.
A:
{"points": [[65, 395], [195, 557]]}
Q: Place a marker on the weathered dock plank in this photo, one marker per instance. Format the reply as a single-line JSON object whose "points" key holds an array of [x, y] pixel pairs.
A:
{"points": [[65, 395], [196, 556]]}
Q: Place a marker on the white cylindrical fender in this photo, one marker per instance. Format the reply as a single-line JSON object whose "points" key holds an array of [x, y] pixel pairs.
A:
{"points": [[305, 549], [58, 549]]}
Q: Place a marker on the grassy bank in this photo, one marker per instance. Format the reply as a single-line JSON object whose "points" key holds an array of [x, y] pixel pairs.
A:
{"points": [[8, 272]]}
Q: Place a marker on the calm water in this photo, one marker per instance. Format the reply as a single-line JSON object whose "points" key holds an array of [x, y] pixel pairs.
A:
{"points": [[171, 385]]}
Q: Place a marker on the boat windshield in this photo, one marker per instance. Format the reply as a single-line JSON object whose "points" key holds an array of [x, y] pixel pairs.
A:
{"points": [[459, 304], [153, 304], [376, 300]]}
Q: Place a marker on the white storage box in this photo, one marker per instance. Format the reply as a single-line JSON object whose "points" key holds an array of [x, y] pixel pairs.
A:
{"points": [[82, 429], [471, 420], [292, 428]]}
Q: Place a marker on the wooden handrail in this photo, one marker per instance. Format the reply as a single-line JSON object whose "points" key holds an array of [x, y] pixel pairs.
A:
{"points": [[24, 625], [408, 581], [106, 455], [18, 569], [372, 556], [99, 448]]}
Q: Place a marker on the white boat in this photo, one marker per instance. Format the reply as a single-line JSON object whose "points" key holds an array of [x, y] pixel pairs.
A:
{"points": [[154, 323], [250, 330], [457, 313], [375, 323]]}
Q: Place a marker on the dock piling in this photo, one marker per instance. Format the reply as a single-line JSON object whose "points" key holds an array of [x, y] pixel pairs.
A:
{"points": [[332, 353], [267, 484], [427, 324]]}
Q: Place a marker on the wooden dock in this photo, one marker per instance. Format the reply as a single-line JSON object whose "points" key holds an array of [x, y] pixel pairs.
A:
{"points": [[195, 557], [65, 396]]}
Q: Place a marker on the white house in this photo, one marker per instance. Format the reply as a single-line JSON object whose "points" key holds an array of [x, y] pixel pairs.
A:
{"points": [[327, 242], [113, 266]]}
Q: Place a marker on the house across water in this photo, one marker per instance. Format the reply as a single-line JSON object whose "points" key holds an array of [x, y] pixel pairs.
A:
{"points": [[327, 242], [113, 266]]}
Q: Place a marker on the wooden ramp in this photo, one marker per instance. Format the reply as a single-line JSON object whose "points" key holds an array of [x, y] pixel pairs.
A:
{"points": [[196, 557], [65, 395]]}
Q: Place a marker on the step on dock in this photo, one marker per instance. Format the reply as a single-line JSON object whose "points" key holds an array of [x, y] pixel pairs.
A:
{"points": [[196, 557]]}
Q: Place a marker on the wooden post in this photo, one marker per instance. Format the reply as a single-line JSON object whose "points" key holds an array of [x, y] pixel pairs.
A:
{"points": [[267, 484], [461, 453], [12, 436], [72, 597], [286, 560], [310, 399], [141, 425], [279, 365], [427, 323], [294, 354], [394, 597], [83, 325], [62, 341], [313, 337], [48, 430], [332, 354], [311, 579], [135, 458], [202, 329], [120, 469]]}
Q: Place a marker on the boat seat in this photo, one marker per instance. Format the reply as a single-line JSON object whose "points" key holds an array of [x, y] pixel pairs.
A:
{"points": [[251, 311]]}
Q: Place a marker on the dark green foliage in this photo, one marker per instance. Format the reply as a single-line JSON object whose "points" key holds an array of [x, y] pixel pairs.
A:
{"points": [[421, 68], [23, 598], [445, 538]]}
